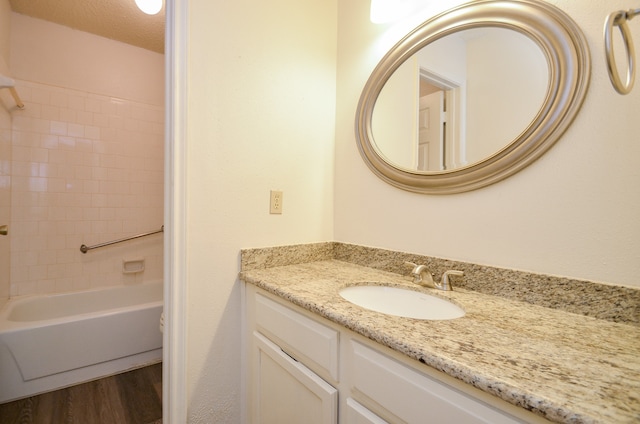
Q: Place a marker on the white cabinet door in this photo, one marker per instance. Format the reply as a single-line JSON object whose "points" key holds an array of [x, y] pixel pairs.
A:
{"points": [[285, 391], [358, 414]]}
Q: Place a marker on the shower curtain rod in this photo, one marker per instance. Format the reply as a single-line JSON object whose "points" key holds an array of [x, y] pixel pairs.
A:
{"points": [[6, 82], [84, 248]]}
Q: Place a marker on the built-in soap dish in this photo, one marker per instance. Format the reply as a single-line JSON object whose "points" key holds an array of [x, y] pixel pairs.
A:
{"points": [[132, 266]]}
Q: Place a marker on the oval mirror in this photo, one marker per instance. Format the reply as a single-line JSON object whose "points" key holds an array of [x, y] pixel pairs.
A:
{"points": [[472, 96]]}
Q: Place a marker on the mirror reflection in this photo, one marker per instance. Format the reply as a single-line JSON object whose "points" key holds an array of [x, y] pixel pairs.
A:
{"points": [[460, 100]]}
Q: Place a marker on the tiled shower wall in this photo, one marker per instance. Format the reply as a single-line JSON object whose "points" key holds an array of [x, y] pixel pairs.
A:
{"points": [[87, 169]]}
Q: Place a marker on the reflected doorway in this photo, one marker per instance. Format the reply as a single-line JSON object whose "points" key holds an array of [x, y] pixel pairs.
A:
{"points": [[440, 123]]}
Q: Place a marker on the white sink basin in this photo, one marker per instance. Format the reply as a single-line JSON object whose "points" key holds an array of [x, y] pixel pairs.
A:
{"points": [[401, 302]]}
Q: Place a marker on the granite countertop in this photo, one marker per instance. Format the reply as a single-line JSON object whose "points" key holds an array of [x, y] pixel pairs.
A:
{"points": [[566, 367]]}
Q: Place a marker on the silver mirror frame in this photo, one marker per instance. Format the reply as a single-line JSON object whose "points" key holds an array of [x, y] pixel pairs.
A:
{"points": [[567, 54]]}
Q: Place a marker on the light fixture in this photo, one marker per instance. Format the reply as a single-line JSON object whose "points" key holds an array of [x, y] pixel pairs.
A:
{"points": [[383, 11], [150, 7]]}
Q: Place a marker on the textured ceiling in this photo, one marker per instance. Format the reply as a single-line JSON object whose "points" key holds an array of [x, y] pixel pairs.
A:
{"points": [[119, 20]]}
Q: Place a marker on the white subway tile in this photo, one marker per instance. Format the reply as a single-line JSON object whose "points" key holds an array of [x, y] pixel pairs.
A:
{"points": [[93, 105], [59, 98], [46, 286], [64, 285], [37, 184], [76, 102], [39, 154], [85, 118], [58, 127], [75, 130], [37, 272], [87, 169], [66, 142], [49, 141], [57, 185], [99, 120], [55, 242], [68, 115], [57, 156], [48, 112], [39, 95], [66, 256], [26, 139], [46, 257], [26, 288], [84, 145], [21, 154], [92, 132], [83, 226]]}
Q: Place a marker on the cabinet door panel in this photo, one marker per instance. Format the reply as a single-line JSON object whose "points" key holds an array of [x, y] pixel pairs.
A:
{"points": [[358, 414], [288, 392]]}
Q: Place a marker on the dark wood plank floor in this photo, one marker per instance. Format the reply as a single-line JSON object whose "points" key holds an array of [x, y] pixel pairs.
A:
{"points": [[134, 397]]}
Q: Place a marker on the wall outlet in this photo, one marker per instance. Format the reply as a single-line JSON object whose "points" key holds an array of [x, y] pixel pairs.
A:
{"points": [[275, 204]]}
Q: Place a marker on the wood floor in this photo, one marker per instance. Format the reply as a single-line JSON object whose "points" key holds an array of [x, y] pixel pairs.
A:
{"points": [[134, 397]]}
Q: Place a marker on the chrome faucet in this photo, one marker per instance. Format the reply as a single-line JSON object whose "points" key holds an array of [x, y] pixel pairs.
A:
{"points": [[423, 277]]}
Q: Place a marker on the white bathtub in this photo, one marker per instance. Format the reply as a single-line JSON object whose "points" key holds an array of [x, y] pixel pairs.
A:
{"points": [[53, 341]]}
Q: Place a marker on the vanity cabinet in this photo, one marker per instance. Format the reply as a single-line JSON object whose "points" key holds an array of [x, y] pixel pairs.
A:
{"points": [[290, 357], [303, 368]]}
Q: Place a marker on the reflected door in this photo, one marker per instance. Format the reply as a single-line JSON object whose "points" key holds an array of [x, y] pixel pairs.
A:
{"points": [[431, 123]]}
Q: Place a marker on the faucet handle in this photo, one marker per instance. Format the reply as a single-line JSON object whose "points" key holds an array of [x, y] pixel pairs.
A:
{"points": [[446, 284]]}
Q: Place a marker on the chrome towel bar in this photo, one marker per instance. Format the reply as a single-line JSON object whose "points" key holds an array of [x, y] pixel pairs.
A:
{"points": [[620, 19], [6, 82], [84, 248]]}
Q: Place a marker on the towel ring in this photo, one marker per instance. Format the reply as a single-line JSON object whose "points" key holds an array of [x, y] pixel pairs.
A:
{"points": [[620, 19]]}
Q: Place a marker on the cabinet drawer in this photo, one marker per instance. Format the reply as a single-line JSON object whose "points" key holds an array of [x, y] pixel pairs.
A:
{"points": [[392, 389], [306, 340]]}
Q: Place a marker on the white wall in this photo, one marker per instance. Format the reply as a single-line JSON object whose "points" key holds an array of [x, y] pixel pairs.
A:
{"points": [[571, 213], [395, 116], [5, 34], [261, 113], [69, 58], [516, 89]]}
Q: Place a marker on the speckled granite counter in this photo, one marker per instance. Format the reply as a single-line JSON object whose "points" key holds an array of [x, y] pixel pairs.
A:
{"points": [[563, 366]]}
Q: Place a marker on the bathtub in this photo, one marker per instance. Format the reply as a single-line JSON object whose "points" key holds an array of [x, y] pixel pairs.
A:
{"points": [[53, 341]]}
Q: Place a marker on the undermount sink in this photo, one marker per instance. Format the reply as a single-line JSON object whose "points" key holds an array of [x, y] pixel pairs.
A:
{"points": [[401, 302]]}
